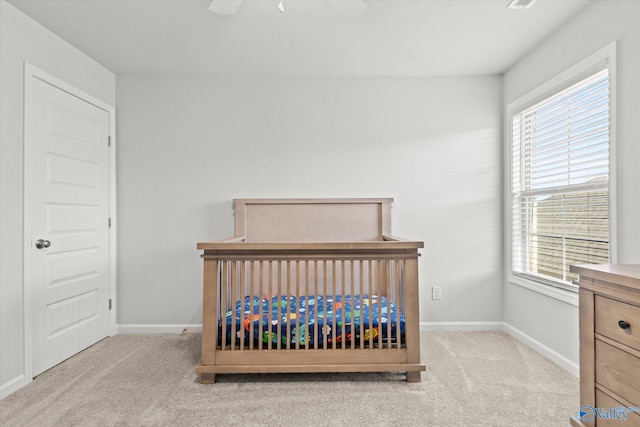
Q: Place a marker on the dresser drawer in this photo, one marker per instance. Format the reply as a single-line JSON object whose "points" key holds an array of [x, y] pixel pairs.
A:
{"points": [[604, 401], [618, 371], [609, 312]]}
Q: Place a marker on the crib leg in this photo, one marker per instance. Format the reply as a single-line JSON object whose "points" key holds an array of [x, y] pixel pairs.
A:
{"points": [[413, 376], [207, 378]]}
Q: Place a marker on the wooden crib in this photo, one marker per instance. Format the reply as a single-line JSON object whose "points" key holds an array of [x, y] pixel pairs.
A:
{"points": [[311, 285]]}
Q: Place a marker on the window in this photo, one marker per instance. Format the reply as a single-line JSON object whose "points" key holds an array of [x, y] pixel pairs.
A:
{"points": [[560, 168]]}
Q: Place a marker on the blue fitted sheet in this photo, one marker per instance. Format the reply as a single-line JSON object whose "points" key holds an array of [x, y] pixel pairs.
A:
{"points": [[301, 315]]}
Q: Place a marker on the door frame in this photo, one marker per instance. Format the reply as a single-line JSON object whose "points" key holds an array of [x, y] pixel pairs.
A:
{"points": [[30, 73]]}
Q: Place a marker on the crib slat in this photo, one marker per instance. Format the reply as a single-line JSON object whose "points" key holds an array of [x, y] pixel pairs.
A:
{"points": [[262, 301], [241, 298], [306, 306], [252, 282], [288, 324], [324, 307], [315, 307], [387, 278], [370, 308], [379, 277], [352, 313], [225, 306], [279, 308], [343, 336], [333, 308], [297, 304], [397, 282], [233, 298], [361, 296], [270, 281]]}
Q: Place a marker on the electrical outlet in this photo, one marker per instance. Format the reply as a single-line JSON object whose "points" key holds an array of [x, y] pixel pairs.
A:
{"points": [[436, 292]]}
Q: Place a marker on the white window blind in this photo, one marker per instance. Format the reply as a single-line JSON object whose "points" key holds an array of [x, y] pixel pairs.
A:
{"points": [[560, 182]]}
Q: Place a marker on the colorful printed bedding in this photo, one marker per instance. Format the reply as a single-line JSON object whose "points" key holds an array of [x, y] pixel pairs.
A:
{"points": [[306, 315]]}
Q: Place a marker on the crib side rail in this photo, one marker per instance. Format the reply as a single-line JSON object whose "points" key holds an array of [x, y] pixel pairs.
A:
{"points": [[305, 275]]}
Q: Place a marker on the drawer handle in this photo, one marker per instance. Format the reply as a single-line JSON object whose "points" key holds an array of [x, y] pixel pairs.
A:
{"points": [[623, 324]]}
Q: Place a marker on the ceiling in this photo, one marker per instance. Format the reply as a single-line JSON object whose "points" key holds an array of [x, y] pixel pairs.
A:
{"points": [[391, 38]]}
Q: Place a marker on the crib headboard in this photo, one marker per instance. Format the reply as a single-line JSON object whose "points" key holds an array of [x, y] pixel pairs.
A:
{"points": [[313, 220]]}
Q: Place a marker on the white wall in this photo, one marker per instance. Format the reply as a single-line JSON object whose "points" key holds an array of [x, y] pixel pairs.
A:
{"points": [[22, 39], [189, 145], [551, 322]]}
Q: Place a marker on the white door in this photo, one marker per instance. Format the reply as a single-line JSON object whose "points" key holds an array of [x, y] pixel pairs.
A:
{"points": [[67, 223]]}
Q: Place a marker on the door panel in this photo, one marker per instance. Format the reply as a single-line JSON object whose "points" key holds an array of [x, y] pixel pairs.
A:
{"points": [[68, 206], [72, 172]]}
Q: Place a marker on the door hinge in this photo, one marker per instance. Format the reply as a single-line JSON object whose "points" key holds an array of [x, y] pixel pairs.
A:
{"points": [[109, 141], [110, 303], [109, 222]]}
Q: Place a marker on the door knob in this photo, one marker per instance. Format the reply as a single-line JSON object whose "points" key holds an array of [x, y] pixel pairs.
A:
{"points": [[40, 243]]}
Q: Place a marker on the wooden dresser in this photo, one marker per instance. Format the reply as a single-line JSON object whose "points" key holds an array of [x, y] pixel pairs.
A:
{"points": [[609, 344]]}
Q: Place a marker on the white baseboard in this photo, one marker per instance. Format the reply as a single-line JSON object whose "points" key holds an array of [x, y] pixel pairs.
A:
{"points": [[13, 385], [461, 326], [568, 365], [157, 329], [557, 358]]}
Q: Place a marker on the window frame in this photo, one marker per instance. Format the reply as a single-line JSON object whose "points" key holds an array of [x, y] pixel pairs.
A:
{"points": [[605, 57]]}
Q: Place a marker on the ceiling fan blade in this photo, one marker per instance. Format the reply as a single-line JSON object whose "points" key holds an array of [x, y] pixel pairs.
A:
{"points": [[348, 8], [225, 7]]}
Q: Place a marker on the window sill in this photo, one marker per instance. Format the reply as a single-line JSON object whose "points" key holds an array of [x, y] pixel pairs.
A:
{"points": [[563, 295]]}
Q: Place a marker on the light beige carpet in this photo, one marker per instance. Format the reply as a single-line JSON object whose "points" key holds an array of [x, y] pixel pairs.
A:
{"points": [[472, 379]]}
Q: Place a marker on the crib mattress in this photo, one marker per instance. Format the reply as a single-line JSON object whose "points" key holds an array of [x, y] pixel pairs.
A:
{"points": [[308, 320]]}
